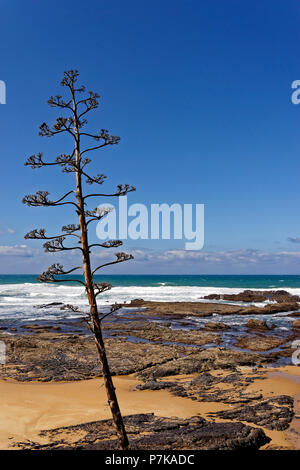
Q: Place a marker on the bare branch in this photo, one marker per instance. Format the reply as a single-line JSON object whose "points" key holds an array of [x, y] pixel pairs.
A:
{"points": [[103, 135], [57, 101], [36, 234], [99, 179], [39, 234], [73, 308], [69, 78], [62, 124], [41, 199], [36, 161], [122, 191], [67, 162], [97, 214], [94, 148], [108, 244], [89, 103], [121, 257], [113, 309], [100, 287], [57, 244], [71, 228], [57, 270]]}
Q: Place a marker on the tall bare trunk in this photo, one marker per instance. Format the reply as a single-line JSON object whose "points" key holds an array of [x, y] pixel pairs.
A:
{"points": [[110, 389]]}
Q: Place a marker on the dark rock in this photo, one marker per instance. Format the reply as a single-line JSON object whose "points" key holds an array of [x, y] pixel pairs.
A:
{"points": [[215, 326], [260, 343], [147, 431], [271, 308], [296, 324], [279, 296], [205, 388], [45, 356], [161, 333], [265, 413], [42, 327], [183, 309], [246, 296], [154, 385], [203, 361], [136, 302], [201, 309], [253, 324]]}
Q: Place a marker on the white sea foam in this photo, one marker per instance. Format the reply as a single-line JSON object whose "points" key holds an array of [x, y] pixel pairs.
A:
{"points": [[19, 301]]}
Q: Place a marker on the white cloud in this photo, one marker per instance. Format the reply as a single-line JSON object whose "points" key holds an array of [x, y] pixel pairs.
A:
{"points": [[247, 261], [15, 250], [232, 257]]}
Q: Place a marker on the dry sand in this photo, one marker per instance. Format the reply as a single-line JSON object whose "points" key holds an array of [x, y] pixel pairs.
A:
{"points": [[28, 408]]}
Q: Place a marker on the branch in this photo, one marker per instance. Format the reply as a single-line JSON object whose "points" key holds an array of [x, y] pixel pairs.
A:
{"points": [[90, 103], [94, 148], [97, 214], [36, 161], [41, 199], [100, 287], [68, 162], [120, 258], [39, 234], [57, 244], [103, 135], [62, 124], [70, 77], [71, 307], [99, 179], [57, 101], [70, 229], [113, 308], [122, 191], [108, 244], [57, 270]]}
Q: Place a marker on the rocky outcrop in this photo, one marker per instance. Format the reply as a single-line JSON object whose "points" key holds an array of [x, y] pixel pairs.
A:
{"points": [[273, 413], [296, 324], [163, 334], [203, 361], [178, 310], [215, 326], [209, 388], [59, 357], [270, 309], [260, 343], [254, 324], [41, 328], [279, 296], [147, 431]]}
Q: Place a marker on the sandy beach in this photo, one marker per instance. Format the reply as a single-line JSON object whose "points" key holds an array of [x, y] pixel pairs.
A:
{"points": [[27, 409]]}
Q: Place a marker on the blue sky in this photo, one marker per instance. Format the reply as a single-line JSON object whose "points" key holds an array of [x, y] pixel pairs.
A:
{"points": [[198, 91]]}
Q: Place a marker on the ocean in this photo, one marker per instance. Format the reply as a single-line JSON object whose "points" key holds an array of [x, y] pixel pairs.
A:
{"points": [[21, 295]]}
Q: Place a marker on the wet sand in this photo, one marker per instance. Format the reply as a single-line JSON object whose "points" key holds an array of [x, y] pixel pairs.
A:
{"points": [[28, 408]]}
